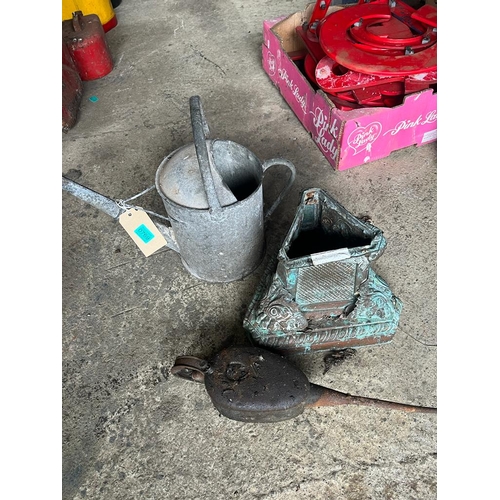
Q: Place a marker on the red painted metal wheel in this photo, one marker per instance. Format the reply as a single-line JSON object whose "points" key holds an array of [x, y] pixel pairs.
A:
{"points": [[396, 59]]}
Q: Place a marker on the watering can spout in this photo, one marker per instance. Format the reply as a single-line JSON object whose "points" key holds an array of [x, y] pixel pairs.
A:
{"points": [[112, 208]]}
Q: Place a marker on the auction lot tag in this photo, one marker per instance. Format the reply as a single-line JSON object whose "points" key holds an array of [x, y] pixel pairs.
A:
{"points": [[141, 229]]}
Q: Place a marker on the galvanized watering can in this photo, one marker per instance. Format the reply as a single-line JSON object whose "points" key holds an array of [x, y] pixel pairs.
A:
{"points": [[213, 193]]}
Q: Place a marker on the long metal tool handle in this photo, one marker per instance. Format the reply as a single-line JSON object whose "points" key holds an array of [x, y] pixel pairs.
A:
{"points": [[200, 133], [323, 396], [103, 203]]}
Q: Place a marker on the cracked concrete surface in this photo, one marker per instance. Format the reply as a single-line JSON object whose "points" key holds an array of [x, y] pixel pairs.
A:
{"points": [[130, 429]]}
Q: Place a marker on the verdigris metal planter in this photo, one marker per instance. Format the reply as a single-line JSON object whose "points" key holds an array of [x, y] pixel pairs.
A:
{"points": [[320, 293]]}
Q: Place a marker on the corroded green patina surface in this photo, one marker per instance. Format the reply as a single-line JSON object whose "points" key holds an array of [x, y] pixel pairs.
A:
{"points": [[319, 292]]}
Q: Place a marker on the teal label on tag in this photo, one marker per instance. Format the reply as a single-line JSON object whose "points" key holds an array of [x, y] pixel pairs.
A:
{"points": [[144, 233]]}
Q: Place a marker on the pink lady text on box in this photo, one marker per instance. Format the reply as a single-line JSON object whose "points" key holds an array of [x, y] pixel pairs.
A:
{"points": [[346, 138]]}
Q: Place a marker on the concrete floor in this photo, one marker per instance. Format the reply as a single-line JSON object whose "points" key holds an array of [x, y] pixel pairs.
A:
{"points": [[130, 429]]}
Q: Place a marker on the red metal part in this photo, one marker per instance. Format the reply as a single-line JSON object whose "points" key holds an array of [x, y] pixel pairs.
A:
{"points": [[365, 89], [346, 101], [426, 15], [347, 97], [310, 68], [297, 55], [366, 95], [332, 77], [337, 42], [317, 15], [113, 22], [392, 28], [402, 11], [343, 104], [388, 35], [372, 53], [84, 36], [313, 47], [420, 81]]}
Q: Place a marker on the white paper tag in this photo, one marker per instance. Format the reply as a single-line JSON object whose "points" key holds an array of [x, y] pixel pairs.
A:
{"points": [[330, 256], [141, 229]]}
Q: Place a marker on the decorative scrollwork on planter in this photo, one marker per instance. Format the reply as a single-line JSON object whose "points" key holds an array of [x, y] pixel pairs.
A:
{"points": [[278, 312]]}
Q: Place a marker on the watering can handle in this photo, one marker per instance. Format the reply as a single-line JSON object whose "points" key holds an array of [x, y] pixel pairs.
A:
{"points": [[271, 163], [200, 134]]}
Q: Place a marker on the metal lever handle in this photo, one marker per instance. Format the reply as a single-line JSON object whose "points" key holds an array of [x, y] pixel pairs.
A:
{"points": [[318, 14]]}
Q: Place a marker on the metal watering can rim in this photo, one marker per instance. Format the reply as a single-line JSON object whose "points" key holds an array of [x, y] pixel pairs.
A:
{"points": [[164, 195], [201, 135], [193, 196]]}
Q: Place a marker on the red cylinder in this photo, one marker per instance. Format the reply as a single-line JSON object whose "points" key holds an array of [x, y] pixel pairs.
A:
{"points": [[84, 36]]}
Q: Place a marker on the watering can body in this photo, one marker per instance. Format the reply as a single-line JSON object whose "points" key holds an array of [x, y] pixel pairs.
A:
{"points": [[225, 243], [212, 191]]}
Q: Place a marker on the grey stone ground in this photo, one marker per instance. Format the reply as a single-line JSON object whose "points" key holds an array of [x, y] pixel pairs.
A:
{"points": [[131, 430]]}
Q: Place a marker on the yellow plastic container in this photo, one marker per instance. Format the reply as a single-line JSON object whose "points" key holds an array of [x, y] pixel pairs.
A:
{"points": [[102, 8]]}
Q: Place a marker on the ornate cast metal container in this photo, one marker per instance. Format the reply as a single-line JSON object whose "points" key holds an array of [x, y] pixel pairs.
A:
{"points": [[320, 292]]}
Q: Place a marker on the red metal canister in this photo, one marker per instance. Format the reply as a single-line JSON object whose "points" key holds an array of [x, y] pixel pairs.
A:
{"points": [[84, 36]]}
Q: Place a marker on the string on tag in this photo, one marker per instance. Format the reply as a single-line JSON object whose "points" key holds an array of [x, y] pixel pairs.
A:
{"points": [[124, 205]]}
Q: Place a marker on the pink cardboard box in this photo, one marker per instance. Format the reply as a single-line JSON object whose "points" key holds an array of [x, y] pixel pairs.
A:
{"points": [[346, 138]]}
